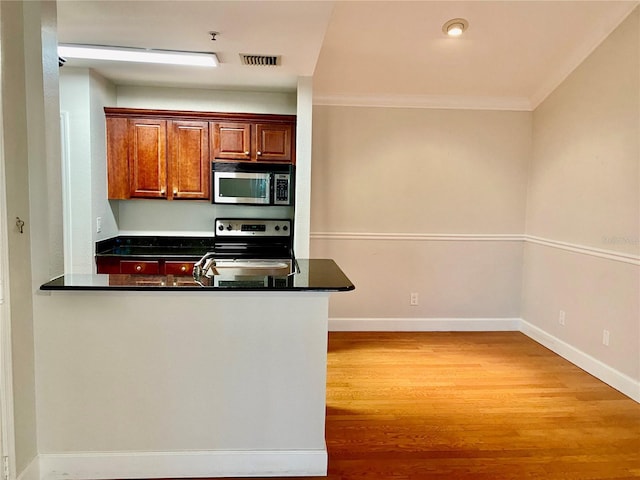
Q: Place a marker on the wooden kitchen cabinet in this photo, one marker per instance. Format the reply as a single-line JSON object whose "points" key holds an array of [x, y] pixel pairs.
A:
{"points": [[253, 142], [107, 264], [147, 158], [126, 265], [274, 142], [231, 141], [140, 267], [189, 165], [167, 154], [168, 159], [178, 268]]}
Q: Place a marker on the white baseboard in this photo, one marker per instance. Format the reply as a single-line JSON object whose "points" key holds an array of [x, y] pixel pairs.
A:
{"points": [[32, 472], [621, 382], [424, 324], [218, 463]]}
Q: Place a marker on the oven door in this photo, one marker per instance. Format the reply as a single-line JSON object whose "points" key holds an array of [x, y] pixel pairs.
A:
{"points": [[251, 188]]}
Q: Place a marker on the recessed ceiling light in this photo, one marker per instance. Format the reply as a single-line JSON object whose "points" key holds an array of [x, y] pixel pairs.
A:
{"points": [[455, 27], [140, 55]]}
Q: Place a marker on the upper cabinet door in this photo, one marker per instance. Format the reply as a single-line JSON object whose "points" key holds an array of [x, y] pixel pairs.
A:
{"points": [[232, 141], [189, 164], [118, 158], [148, 158], [273, 142]]}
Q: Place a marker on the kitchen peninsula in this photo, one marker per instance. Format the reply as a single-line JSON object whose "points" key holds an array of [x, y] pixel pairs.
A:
{"points": [[159, 376]]}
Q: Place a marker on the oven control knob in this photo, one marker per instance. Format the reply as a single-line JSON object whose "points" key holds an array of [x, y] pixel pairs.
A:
{"points": [[277, 228], [229, 227], [285, 228], [221, 227]]}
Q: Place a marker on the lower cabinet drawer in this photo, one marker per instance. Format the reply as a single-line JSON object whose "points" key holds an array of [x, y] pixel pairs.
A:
{"points": [[107, 265], [178, 268], [132, 266]]}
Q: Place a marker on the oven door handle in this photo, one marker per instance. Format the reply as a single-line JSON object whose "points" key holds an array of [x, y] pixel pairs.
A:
{"points": [[295, 268]]}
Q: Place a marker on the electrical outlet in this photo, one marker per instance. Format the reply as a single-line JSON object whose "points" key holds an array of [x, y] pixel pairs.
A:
{"points": [[605, 338], [98, 224], [561, 318], [414, 299]]}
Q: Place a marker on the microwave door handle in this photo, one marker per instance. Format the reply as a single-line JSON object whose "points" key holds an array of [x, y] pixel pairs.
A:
{"points": [[272, 194]]}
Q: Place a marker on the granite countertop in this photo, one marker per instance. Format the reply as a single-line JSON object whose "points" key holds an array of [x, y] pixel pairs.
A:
{"points": [[155, 246], [322, 275]]}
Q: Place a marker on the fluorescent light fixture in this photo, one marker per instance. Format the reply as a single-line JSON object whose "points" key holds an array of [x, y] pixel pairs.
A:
{"points": [[140, 55]]}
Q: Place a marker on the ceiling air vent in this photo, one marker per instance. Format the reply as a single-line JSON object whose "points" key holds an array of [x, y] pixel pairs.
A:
{"points": [[269, 60]]}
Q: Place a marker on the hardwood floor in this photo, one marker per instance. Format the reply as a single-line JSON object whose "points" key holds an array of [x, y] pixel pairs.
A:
{"points": [[443, 405]]}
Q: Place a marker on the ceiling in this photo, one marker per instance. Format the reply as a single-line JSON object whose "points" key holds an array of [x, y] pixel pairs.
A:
{"points": [[512, 56]]}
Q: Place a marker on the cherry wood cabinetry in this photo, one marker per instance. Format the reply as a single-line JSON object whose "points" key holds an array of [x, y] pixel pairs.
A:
{"points": [[231, 141], [178, 268], [254, 142], [147, 158], [189, 166], [141, 267], [166, 154], [108, 265], [274, 142], [157, 158], [127, 265]]}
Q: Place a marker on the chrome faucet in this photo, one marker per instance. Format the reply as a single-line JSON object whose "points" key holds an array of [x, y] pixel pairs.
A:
{"points": [[204, 264]]}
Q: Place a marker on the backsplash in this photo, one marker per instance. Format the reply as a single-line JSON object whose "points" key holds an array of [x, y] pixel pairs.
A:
{"points": [[192, 218]]}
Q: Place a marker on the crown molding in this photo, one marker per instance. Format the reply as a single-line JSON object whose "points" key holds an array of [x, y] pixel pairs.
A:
{"points": [[455, 102]]}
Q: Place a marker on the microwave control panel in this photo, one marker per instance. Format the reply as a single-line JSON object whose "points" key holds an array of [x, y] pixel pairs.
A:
{"points": [[282, 194]]}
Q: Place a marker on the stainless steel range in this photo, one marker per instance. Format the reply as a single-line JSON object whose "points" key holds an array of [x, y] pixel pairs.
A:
{"points": [[251, 252]]}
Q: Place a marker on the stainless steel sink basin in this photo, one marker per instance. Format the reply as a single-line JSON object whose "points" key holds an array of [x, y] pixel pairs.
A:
{"points": [[209, 266], [280, 268]]}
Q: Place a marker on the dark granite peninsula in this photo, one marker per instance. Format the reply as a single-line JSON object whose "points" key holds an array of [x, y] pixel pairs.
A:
{"points": [[322, 275], [166, 263], [224, 376]]}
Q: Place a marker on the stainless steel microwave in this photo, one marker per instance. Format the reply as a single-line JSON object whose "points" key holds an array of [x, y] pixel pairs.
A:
{"points": [[246, 183]]}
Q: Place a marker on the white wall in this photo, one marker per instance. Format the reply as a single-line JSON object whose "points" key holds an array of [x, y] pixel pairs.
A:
{"points": [[584, 193], [388, 183], [102, 92], [304, 133], [17, 201], [206, 100], [33, 192], [185, 384], [83, 94], [74, 96], [190, 218]]}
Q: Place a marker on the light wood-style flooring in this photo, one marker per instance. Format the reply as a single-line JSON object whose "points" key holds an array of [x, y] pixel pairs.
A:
{"points": [[486, 405]]}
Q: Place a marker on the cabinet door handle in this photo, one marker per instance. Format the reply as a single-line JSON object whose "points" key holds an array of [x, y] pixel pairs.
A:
{"points": [[246, 153], [183, 268], [175, 191], [138, 268], [259, 153], [162, 191]]}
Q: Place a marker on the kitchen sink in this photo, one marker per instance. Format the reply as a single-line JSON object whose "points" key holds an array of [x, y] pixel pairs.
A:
{"points": [[278, 268], [209, 266]]}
